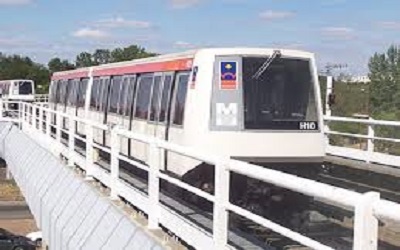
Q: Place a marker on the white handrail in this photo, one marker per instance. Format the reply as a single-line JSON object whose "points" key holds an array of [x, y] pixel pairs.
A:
{"points": [[368, 207], [369, 155]]}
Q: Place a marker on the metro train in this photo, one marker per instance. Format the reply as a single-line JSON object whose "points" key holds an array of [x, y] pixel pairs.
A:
{"points": [[258, 105], [17, 90]]}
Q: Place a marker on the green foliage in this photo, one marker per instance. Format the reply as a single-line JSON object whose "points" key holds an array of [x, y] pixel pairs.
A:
{"points": [[380, 99], [84, 59], [56, 64], [351, 99], [18, 67], [102, 56], [385, 83]]}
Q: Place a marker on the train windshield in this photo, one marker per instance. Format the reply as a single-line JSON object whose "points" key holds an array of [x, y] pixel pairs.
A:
{"points": [[25, 88], [280, 96]]}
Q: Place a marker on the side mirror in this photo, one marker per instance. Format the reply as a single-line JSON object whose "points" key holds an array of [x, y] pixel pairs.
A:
{"points": [[332, 99]]}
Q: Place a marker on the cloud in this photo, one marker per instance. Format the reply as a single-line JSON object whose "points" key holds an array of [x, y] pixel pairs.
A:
{"points": [[90, 33], [13, 42], [271, 15], [120, 22], [15, 2], [391, 25], [341, 33], [184, 45], [183, 4]]}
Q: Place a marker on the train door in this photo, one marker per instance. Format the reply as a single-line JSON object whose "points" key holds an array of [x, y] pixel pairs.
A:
{"points": [[70, 107], [111, 115], [162, 111], [100, 116], [80, 105], [125, 109], [175, 129], [140, 114], [164, 105], [154, 105], [64, 101]]}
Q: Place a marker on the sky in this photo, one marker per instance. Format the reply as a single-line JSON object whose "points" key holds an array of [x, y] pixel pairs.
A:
{"points": [[337, 31]]}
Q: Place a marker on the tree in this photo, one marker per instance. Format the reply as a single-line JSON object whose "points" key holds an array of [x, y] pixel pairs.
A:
{"points": [[102, 56], [56, 64], [385, 82], [130, 53], [17, 67], [84, 59]]}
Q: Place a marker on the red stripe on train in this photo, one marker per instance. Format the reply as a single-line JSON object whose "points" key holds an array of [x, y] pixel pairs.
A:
{"points": [[181, 64], [70, 75]]}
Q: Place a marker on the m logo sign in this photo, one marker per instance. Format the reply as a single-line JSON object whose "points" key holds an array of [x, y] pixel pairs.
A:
{"points": [[308, 126], [226, 114]]}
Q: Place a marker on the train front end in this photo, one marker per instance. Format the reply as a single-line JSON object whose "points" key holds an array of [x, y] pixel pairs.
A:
{"points": [[265, 107], [262, 106]]}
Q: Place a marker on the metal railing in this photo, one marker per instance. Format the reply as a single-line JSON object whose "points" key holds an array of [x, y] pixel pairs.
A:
{"points": [[368, 208], [41, 98], [369, 153]]}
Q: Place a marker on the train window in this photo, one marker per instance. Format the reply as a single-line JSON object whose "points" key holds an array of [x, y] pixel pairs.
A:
{"points": [[99, 94], [68, 92], [165, 97], [114, 94], [25, 88], [57, 92], [122, 96], [72, 87], [180, 98], [104, 94], [279, 98], [77, 87], [143, 96], [52, 93], [94, 92], [82, 92], [63, 92], [7, 91], [155, 98], [130, 96]]}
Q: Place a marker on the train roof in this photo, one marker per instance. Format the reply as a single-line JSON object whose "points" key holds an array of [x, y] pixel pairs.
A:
{"points": [[190, 54], [28, 80]]}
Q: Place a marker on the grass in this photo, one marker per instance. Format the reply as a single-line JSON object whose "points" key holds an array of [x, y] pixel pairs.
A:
{"points": [[9, 191]]}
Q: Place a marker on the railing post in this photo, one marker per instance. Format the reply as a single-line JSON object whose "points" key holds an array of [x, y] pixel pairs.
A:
{"points": [[40, 118], [326, 131], [34, 117], [58, 126], [71, 141], [365, 223], [220, 220], [1, 108], [370, 143], [154, 185], [20, 115], [89, 151], [115, 147], [48, 122], [329, 90]]}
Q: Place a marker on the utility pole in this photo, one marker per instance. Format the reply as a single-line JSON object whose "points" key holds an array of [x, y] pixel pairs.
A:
{"points": [[329, 85]]}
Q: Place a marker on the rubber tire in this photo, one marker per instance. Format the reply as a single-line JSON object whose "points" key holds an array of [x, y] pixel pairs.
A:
{"points": [[38, 243]]}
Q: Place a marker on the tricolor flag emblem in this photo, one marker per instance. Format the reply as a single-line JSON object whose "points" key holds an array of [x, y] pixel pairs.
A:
{"points": [[229, 76]]}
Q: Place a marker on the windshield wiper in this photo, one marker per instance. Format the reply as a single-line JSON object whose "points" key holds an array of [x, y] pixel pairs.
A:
{"points": [[266, 64]]}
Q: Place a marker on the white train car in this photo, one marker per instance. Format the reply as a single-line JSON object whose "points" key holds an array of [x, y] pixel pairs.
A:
{"points": [[17, 90], [253, 104]]}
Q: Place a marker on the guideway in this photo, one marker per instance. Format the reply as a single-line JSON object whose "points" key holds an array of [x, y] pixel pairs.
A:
{"points": [[71, 214]]}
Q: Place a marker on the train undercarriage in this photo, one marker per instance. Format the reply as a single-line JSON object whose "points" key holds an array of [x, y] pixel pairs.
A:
{"points": [[286, 207]]}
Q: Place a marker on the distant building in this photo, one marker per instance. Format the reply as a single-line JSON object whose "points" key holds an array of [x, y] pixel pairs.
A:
{"points": [[356, 79]]}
